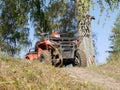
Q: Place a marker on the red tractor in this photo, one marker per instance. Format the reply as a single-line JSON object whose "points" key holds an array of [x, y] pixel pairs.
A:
{"points": [[58, 51]]}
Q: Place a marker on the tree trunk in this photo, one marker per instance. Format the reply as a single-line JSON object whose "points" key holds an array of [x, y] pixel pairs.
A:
{"points": [[84, 30]]}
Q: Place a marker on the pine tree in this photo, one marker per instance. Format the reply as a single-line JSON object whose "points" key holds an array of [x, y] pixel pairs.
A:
{"points": [[15, 16], [13, 30], [115, 39]]}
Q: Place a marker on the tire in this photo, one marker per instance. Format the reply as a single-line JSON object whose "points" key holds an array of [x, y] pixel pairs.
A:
{"points": [[57, 61], [80, 59], [45, 57]]}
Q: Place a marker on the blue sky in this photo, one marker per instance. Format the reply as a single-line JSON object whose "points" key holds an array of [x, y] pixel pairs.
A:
{"points": [[103, 32]]}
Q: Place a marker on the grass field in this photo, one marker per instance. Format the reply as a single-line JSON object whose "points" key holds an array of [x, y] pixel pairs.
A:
{"points": [[111, 69], [16, 74]]}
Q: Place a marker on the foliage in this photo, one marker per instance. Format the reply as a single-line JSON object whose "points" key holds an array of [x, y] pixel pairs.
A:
{"points": [[63, 18], [115, 39], [45, 15], [106, 5], [38, 16], [13, 29]]}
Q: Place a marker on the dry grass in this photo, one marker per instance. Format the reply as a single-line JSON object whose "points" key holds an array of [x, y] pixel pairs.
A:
{"points": [[111, 69], [32, 75]]}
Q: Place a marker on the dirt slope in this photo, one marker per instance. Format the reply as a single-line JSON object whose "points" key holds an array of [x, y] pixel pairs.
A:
{"points": [[86, 75]]}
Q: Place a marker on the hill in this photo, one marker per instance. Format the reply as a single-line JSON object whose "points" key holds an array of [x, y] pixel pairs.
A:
{"points": [[16, 74], [106, 76]]}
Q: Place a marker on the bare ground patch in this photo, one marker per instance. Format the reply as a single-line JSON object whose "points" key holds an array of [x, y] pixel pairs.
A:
{"points": [[108, 83]]}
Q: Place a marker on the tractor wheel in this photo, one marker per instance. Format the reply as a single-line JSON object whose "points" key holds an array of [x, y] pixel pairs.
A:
{"points": [[58, 61], [80, 59], [45, 57]]}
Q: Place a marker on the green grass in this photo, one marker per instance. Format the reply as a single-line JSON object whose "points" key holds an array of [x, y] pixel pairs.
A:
{"points": [[18, 74]]}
